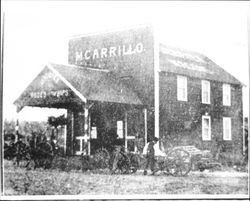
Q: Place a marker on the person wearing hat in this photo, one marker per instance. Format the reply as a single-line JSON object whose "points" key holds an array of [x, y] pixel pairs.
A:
{"points": [[150, 156]]}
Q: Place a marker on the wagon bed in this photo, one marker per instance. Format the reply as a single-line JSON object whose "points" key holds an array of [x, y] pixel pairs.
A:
{"points": [[201, 159]]}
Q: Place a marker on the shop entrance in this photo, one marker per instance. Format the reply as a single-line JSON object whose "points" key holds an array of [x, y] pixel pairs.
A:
{"points": [[107, 126], [116, 124]]}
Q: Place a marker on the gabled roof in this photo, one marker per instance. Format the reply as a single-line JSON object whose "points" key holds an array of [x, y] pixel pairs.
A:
{"points": [[192, 64], [83, 84]]}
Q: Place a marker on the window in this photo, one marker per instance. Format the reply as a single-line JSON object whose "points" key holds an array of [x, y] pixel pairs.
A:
{"points": [[206, 128], [182, 88], [120, 129], [226, 94], [93, 132], [205, 91], [227, 128]]}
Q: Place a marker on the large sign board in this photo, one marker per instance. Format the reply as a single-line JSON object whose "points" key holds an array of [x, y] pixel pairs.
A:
{"points": [[128, 53], [97, 55]]}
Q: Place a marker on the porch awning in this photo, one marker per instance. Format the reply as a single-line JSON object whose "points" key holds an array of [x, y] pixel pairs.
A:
{"points": [[59, 85]]}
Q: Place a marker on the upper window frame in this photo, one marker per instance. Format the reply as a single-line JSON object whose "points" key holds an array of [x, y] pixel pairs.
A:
{"points": [[205, 88], [226, 90]]}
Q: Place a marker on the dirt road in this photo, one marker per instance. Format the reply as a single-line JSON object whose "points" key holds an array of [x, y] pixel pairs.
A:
{"points": [[18, 181]]}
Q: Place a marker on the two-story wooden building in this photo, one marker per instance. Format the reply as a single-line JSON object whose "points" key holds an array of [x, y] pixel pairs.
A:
{"points": [[126, 87]]}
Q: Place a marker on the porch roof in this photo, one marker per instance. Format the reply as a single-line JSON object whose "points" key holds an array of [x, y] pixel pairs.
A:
{"points": [[75, 84]]}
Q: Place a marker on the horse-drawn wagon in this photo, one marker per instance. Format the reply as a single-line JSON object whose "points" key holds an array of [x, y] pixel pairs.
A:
{"points": [[175, 161]]}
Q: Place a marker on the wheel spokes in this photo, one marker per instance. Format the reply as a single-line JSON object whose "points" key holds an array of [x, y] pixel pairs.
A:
{"points": [[179, 162]]}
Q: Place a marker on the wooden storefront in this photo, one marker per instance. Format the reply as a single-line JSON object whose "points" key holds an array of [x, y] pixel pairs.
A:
{"points": [[125, 84]]}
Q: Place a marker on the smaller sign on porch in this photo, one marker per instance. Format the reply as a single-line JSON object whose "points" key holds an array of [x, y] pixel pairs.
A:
{"points": [[46, 94], [93, 133], [82, 143], [120, 129]]}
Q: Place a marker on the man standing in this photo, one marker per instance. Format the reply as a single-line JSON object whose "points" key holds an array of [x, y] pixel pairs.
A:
{"points": [[150, 156]]}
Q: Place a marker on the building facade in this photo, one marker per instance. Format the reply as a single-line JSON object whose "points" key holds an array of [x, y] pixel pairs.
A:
{"points": [[201, 108], [125, 87]]}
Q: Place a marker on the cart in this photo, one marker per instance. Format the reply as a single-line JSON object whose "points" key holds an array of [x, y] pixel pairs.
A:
{"points": [[176, 162]]}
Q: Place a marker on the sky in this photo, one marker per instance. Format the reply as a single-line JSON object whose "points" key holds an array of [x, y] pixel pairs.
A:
{"points": [[38, 32]]}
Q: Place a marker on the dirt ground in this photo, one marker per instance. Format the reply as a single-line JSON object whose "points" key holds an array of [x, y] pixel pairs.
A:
{"points": [[18, 181]]}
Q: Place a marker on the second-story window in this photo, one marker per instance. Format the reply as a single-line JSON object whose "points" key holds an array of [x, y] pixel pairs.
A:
{"points": [[205, 91], [181, 88], [226, 94]]}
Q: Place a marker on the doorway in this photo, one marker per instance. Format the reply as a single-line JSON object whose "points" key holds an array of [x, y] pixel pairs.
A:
{"points": [[107, 126]]}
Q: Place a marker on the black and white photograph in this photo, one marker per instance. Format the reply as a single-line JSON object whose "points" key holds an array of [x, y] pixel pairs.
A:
{"points": [[124, 99]]}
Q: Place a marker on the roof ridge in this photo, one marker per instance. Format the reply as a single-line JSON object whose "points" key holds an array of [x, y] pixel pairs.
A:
{"points": [[81, 67], [184, 50]]}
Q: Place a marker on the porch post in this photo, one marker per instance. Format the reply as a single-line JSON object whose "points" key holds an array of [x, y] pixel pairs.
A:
{"points": [[126, 130], [65, 139], [72, 133], [17, 131], [89, 132], [156, 80], [86, 127], [145, 124]]}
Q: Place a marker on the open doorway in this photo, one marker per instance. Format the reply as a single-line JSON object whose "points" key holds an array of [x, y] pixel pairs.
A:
{"points": [[107, 126]]}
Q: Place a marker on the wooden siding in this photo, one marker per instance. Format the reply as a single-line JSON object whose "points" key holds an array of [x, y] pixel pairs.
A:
{"points": [[180, 121]]}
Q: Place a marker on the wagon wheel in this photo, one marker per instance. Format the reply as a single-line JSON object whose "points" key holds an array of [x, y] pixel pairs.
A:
{"points": [[122, 164], [178, 162], [101, 158]]}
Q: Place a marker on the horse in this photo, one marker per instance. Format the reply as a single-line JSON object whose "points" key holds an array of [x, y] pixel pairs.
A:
{"points": [[37, 152]]}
